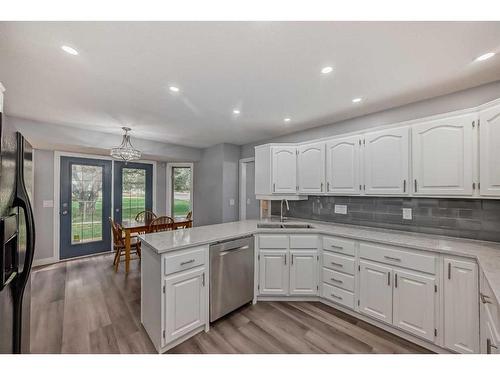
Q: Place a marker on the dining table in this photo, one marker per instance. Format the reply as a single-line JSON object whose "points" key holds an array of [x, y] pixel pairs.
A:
{"points": [[132, 226]]}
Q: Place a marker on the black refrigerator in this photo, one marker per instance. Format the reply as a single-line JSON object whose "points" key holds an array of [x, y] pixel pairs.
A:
{"points": [[17, 239]]}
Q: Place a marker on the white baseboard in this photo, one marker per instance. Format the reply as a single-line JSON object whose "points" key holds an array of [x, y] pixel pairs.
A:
{"points": [[45, 261]]}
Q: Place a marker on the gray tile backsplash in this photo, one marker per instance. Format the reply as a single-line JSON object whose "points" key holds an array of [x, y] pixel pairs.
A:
{"points": [[468, 218]]}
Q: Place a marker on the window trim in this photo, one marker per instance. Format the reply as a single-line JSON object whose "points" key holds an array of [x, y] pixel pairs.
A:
{"points": [[169, 192]]}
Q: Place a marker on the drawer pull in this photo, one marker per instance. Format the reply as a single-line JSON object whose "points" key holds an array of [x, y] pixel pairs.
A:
{"points": [[489, 345], [336, 247], [337, 281], [335, 296], [392, 258], [484, 298], [187, 262], [337, 264]]}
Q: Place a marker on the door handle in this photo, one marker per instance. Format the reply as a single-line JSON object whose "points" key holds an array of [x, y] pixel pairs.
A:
{"points": [[388, 278], [64, 212], [404, 186]]}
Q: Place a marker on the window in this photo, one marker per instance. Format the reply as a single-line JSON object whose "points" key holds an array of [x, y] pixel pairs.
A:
{"points": [[133, 192], [181, 190]]}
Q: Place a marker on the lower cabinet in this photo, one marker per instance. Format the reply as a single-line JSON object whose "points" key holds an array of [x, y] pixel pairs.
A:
{"points": [[375, 291], [461, 306], [273, 272], [184, 303], [303, 272]]}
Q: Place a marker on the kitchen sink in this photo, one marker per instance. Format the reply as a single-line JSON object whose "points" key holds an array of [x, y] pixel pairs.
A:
{"points": [[284, 225]]}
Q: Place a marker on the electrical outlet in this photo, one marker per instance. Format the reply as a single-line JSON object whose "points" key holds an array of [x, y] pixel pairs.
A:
{"points": [[340, 209], [407, 214], [231, 202]]}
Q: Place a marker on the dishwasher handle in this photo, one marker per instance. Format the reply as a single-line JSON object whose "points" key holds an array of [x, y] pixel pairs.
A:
{"points": [[234, 250]]}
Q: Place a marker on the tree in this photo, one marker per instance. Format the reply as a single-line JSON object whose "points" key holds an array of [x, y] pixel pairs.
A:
{"points": [[182, 179]]}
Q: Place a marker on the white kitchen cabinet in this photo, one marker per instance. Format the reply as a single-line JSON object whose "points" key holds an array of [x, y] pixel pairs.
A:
{"points": [[284, 170], [385, 162], [442, 156], [342, 165], [489, 155], [461, 306], [303, 272], [375, 291], [490, 340], [414, 303], [273, 272], [184, 303], [311, 168]]}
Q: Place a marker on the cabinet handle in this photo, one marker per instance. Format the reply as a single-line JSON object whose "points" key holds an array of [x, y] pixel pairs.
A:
{"points": [[416, 185], [328, 186], [489, 345], [404, 186], [335, 296], [337, 264], [187, 262], [274, 187], [337, 281], [395, 280], [388, 278], [392, 258], [203, 279], [360, 187], [285, 259], [321, 187], [449, 271], [484, 298], [292, 259]]}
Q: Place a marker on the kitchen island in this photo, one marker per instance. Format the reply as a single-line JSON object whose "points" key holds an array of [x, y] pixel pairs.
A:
{"points": [[440, 273]]}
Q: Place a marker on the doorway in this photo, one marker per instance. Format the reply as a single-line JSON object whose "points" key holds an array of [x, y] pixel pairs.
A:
{"points": [[249, 205], [85, 205], [179, 189]]}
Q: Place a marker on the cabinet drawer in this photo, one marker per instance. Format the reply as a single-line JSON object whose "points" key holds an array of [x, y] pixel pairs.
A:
{"points": [[184, 260], [394, 256], [337, 295], [490, 303], [338, 279], [339, 245], [303, 242], [273, 241], [338, 262]]}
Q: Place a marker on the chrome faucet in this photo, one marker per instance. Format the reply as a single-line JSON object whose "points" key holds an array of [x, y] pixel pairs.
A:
{"points": [[283, 218]]}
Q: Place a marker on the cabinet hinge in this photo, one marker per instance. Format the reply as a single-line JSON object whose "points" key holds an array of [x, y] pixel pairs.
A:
{"points": [[360, 142], [258, 287], [473, 124], [435, 332], [317, 257], [163, 333], [358, 302], [359, 267], [163, 288], [435, 288], [317, 287], [258, 257], [478, 122], [363, 141]]}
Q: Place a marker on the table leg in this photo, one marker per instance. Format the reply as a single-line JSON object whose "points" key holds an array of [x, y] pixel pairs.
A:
{"points": [[127, 250]]}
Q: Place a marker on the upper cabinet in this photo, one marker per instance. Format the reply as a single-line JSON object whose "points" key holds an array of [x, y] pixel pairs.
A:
{"points": [[386, 162], [311, 168], [342, 165], [284, 171], [442, 156], [489, 154]]}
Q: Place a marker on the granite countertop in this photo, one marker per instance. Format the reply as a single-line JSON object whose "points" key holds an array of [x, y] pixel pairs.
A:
{"points": [[486, 253]]}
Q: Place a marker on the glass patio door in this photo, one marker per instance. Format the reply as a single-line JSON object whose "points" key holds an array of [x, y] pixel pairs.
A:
{"points": [[133, 190], [85, 205], [181, 191]]}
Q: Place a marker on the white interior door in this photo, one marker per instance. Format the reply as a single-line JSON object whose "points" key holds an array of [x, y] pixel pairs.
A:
{"points": [[489, 158], [461, 306], [442, 156], [342, 165], [311, 168], [273, 272], [284, 169], [414, 304], [375, 291], [386, 162], [303, 272]]}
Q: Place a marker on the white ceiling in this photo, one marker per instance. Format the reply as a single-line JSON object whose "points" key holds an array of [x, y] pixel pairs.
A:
{"points": [[269, 70]]}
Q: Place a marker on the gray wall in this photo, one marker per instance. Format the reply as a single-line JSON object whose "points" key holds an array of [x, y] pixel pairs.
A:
{"points": [[467, 218], [442, 104], [215, 184]]}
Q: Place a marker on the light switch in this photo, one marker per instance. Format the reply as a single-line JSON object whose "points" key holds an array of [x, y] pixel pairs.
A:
{"points": [[340, 209], [48, 204], [248, 201], [407, 214], [231, 202]]}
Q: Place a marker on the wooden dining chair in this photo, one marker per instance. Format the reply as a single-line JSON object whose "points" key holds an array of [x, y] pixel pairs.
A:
{"points": [[160, 224], [119, 244], [189, 220], [145, 216]]}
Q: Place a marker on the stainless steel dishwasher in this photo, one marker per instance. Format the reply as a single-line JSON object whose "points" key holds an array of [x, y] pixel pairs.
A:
{"points": [[231, 275]]}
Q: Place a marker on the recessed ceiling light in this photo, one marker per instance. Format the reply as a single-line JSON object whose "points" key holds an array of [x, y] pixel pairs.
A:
{"points": [[356, 100], [326, 70], [288, 119], [236, 111], [70, 50], [486, 56], [173, 89]]}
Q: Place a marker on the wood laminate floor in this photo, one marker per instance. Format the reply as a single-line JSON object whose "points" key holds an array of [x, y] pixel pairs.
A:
{"points": [[83, 306]]}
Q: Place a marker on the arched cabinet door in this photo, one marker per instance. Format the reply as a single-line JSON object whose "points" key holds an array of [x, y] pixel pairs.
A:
{"points": [[284, 169], [386, 162], [342, 165], [489, 157], [311, 168], [442, 156]]}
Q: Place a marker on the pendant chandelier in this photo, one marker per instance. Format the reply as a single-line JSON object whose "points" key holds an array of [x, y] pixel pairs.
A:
{"points": [[126, 151]]}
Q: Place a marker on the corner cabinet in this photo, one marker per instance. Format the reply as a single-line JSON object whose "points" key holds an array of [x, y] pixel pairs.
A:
{"points": [[442, 156], [489, 154], [342, 165], [311, 168]]}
